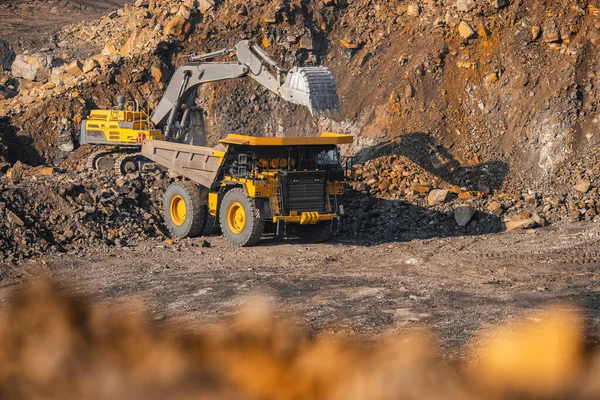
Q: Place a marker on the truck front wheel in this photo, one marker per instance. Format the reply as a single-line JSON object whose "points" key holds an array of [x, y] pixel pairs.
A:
{"points": [[183, 209], [239, 221]]}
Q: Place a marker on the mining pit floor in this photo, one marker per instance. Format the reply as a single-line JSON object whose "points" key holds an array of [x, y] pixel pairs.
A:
{"points": [[452, 286]]}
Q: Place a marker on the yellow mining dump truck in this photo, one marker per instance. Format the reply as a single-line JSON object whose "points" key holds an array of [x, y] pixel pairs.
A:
{"points": [[247, 184]]}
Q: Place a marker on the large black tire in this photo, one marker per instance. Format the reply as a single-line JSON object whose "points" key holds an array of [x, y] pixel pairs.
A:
{"points": [[183, 209], [245, 230], [319, 233]]}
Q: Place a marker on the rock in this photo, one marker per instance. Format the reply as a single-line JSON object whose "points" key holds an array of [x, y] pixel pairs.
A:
{"points": [[32, 68], [439, 22], [16, 172], [184, 12], [90, 65], [463, 215], [359, 186], [74, 68], [483, 32], [538, 219], [307, 42], [582, 186], [178, 27], [420, 188], [131, 43], [205, 6], [466, 65], [491, 78], [595, 39], [536, 31], [7, 55], [110, 50], [551, 33], [413, 10], [349, 44], [156, 73], [437, 196], [464, 5], [469, 195], [65, 142], [519, 222], [465, 30], [14, 219], [498, 3], [39, 171], [495, 208]]}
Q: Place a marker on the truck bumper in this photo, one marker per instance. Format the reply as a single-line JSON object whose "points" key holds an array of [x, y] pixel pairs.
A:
{"points": [[306, 218]]}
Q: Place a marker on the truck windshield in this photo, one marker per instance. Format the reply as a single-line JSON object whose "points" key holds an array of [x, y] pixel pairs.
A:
{"points": [[328, 158]]}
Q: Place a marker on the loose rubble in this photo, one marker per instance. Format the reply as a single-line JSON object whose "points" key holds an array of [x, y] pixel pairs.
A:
{"points": [[42, 211], [486, 107]]}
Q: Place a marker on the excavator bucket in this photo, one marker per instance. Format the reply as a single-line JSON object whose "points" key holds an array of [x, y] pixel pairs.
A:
{"points": [[312, 87]]}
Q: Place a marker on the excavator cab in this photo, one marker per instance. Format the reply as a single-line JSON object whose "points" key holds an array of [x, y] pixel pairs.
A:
{"points": [[192, 129]]}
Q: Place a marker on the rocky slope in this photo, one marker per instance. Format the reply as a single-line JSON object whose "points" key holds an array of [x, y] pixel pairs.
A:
{"points": [[508, 82], [491, 101]]}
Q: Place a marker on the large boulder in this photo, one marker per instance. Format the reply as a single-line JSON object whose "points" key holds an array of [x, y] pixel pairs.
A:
{"points": [[7, 55], [463, 215], [178, 27], [35, 67]]}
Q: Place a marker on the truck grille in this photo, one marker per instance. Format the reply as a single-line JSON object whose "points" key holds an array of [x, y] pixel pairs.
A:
{"points": [[303, 191]]}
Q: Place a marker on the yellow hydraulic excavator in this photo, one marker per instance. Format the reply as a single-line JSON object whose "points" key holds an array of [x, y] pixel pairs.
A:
{"points": [[121, 131], [246, 185]]}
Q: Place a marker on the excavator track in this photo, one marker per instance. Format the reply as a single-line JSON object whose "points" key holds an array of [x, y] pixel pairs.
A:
{"points": [[129, 163], [108, 158], [95, 157]]}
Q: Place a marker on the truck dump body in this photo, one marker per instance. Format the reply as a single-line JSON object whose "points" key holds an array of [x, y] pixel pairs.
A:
{"points": [[199, 164]]}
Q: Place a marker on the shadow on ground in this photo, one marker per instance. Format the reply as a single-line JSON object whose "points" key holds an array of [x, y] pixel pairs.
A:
{"points": [[421, 149], [371, 221], [17, 147]]}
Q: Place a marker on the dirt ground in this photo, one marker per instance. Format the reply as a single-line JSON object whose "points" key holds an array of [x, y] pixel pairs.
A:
{"points": [[22, 21], [451, 285]]}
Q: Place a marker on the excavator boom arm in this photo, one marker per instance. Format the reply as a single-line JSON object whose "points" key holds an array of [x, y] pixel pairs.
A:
{"points": [[186, 79], [312, 87]]}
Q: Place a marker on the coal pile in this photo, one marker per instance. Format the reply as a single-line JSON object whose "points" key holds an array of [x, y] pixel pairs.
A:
{"points": [[72, 212]]}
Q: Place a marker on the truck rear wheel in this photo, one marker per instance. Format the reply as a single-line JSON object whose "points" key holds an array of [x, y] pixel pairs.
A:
{"points": [[239, 222], [183, 209]]}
